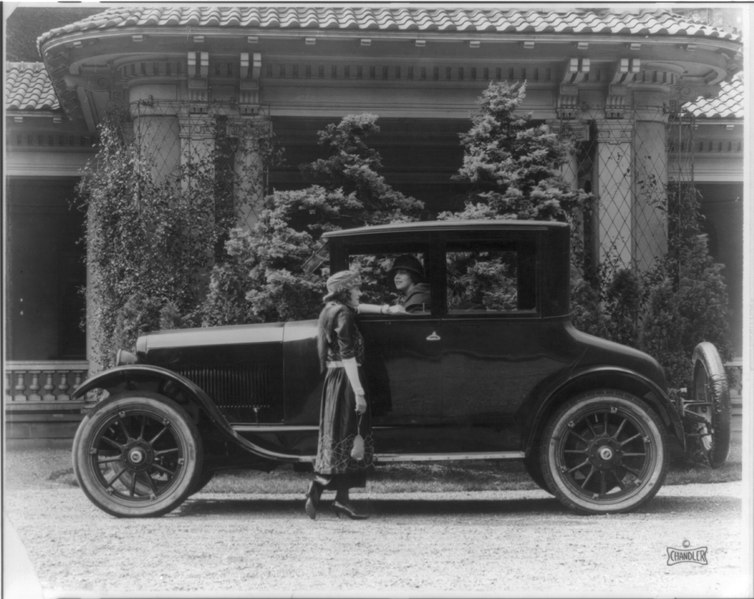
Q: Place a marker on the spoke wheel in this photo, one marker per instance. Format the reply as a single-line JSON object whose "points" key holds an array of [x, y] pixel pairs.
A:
{"points": [[710, 400], [604, 452], [137, 456]]}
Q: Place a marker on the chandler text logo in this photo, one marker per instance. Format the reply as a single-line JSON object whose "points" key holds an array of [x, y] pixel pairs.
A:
{"points": [[687, 555]]}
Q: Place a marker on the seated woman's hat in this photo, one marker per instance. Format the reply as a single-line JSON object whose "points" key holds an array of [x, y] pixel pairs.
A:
{"points": [[342, 280], [409, 263]]}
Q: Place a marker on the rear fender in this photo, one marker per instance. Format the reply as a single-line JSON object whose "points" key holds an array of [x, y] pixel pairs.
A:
{"points": [[606, 377], [166, 382]]}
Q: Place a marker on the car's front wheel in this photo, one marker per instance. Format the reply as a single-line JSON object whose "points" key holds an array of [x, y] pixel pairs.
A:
{"points": [[604, 452], [137, 455]]}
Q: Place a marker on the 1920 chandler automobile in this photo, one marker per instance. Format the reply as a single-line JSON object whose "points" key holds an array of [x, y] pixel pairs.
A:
{"points": [[491, 369]]}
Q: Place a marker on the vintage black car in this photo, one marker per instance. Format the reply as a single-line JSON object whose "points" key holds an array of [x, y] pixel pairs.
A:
{"points": [[490, 369]]}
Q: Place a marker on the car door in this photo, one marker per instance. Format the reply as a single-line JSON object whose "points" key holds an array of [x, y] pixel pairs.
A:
{"points": [[404, 380], [492, 341]]}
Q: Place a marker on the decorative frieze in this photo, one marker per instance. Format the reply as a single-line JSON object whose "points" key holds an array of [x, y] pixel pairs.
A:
{"points": [[418, 72], [22, 140], [150, 68]]}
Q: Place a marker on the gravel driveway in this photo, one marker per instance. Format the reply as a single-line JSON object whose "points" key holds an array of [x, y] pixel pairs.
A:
{"points": [[493, 542]]}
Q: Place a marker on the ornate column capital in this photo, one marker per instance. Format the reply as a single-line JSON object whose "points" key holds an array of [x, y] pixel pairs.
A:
{"points": [[192, 126], [615, 131], [197, 70], [248, 88], [567, 105], [624, 75]]}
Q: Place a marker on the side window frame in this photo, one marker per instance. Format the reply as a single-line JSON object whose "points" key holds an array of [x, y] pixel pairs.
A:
{"points": [[425, 248], [528, 276]]}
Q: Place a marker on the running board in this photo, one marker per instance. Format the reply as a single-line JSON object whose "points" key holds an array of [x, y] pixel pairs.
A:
{"points": [[388, 458], [448, 457]]}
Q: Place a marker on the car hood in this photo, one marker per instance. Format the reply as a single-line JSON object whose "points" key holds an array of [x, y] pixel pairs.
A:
{"points": [[226, 335]]}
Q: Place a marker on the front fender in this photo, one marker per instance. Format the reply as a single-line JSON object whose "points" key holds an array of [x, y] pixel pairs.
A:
{"points": [[133, 377], [605, 377]]}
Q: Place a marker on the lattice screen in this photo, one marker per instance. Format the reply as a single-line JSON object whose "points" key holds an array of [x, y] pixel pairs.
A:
{"points": [[627, 165]]}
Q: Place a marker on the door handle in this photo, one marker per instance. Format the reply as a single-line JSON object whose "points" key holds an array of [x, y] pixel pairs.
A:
{"points": [[433, 337]]}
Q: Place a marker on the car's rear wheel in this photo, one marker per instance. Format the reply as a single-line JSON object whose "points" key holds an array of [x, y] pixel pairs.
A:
{"points": [[137, 455], [604, 452]]}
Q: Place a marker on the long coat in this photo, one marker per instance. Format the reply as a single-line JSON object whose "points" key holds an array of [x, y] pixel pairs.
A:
{"points": [[338, 420]]}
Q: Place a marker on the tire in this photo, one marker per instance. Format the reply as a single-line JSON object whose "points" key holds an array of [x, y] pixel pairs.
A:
{"points": [[201, 481], [533, 466], [604, 452], [137, 455], [710, 398]]}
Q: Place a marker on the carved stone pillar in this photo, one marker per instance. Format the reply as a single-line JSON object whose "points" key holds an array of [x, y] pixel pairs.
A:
{"points": [[156, 133], [250, 167], [650, 177], [198, 133], [613, 187], [632, 169]]}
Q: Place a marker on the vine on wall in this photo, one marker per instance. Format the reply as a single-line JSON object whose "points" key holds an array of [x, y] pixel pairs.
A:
{"points": [[152, 238]]}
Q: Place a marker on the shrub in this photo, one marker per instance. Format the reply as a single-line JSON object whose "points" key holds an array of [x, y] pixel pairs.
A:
{"points": [[149, 242]]}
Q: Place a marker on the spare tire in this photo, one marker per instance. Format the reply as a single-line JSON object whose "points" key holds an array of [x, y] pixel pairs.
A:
{"points": [[710, 398]]}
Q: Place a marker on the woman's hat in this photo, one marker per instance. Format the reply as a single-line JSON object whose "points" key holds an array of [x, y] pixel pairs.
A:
{"points": [[407, 262], [340, 281]]}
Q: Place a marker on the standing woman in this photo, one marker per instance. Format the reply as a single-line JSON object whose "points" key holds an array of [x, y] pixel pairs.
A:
{"points": [[343, 411]]}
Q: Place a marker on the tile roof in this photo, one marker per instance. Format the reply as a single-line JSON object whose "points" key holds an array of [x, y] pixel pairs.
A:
{"points": [[28, 87], [376, 18], [728, 104]]}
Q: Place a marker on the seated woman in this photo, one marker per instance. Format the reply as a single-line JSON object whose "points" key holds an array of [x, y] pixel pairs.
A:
{"points": [[408, 277]]}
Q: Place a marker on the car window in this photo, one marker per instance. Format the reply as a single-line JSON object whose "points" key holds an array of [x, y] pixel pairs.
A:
{"points": [[489, 280], [377, 279]]}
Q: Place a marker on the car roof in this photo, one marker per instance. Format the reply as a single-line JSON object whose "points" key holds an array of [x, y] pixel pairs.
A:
{"points": [[447, 225]]}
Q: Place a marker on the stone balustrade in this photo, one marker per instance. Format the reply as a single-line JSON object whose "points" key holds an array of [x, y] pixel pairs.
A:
{"points": [[38, 399], [32, 382]]}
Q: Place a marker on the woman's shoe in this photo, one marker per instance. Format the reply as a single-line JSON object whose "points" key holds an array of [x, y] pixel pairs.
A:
{"points": [[347, 509], [312, 499]]}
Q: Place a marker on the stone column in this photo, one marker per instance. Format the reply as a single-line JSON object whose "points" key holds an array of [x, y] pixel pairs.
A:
{"points": [[253, 134], [632, 170], [197, 132], [650, 178], [613, 187], [156, 128]]}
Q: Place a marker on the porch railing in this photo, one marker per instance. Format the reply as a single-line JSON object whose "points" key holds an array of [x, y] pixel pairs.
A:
{"points": [[38, 399]]}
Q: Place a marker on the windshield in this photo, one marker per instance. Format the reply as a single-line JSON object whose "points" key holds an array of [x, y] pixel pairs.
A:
{"points": [[319, 256]]}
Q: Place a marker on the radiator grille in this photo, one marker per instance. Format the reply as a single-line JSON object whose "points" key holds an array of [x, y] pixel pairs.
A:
{"points": [[244, 393]]}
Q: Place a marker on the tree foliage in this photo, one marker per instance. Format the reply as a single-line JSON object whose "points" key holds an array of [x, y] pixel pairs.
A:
{"points": [[670, 308], [512, 164], [264, 276], [686, 297]]}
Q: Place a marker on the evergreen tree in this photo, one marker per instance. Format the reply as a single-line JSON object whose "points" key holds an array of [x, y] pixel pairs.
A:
{"points": [[512, 164], [686, 297], [264, 278]]}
